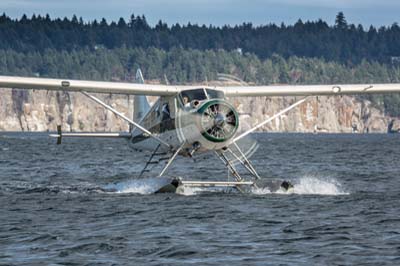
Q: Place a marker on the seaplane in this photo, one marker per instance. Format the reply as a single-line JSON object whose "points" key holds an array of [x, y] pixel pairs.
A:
{"points": [[190, 120]]}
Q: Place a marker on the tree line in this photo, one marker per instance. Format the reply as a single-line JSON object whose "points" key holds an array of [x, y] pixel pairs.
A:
{"points": [[345, 43], [182, 66]]}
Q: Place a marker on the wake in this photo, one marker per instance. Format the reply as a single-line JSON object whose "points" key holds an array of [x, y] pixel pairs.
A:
{"points": [[143, 186], [309, 185], [319, 186]]}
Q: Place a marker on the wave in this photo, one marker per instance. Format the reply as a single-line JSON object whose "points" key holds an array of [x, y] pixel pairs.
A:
{"points": [[21, 187], [319, 186], [143, 186], [309, 185]]}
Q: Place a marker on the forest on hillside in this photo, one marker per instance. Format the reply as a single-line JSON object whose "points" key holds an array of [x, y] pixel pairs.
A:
{"points": [[342, 42], [303, 53]]}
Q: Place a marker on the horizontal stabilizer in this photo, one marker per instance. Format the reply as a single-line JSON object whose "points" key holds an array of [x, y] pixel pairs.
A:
{"points": [[61, 135], [93, 135]]}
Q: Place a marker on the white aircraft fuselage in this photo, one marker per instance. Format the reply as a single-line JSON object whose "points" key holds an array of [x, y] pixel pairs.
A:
{"points": [[201, 118]]}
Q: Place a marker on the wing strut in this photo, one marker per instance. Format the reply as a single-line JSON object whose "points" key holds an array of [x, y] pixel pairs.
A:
{"points": [[171, 159], [245, 162], [271, 119], [126, 118]]}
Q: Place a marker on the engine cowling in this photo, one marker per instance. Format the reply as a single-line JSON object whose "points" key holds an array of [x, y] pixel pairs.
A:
{"points": [[211, 124], [219, 120]]}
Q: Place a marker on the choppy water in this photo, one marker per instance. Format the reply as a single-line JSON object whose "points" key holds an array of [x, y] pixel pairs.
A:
{"points": [[57, 208]]}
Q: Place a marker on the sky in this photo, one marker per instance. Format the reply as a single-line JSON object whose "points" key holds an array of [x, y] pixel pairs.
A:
{"points": [[215, 12]]}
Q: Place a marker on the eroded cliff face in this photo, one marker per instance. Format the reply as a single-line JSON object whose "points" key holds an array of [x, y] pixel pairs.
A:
{"points": [[319, 114], [44, 110]]}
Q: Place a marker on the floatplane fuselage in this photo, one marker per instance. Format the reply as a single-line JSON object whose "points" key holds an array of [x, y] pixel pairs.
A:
{"points": [[197, 120]]}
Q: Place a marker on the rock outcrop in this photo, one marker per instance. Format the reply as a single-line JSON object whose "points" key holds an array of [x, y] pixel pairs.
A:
{"points": [[343, 114], [44, 110]]}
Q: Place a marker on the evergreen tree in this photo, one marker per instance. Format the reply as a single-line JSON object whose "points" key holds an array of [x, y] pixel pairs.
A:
{"points": [[340, 21]]}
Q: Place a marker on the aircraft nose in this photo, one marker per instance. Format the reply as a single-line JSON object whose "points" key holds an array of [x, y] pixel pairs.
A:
{"points": [[219, 120]]}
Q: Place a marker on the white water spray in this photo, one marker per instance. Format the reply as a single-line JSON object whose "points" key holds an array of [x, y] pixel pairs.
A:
{"points": [[318, 186], [309, 185], [137, 186], [306, 185]]}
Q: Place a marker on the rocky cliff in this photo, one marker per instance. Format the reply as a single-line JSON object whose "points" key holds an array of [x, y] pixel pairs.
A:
{"points": [[44, 110], [343, 114]]}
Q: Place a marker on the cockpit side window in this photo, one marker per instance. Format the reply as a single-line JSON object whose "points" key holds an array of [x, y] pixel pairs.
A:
{"points": [[214, 94], [191, 95]]}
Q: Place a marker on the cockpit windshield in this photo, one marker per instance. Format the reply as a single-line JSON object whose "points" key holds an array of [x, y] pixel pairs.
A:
{"points": [[191, 95], [188, 96], [214, 94]]}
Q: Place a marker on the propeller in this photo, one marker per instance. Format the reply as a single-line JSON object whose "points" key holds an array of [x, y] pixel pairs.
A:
{"points": [[219, 120]]}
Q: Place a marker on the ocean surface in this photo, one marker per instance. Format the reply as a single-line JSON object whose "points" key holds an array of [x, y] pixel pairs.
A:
{"points": [[80, 203]]}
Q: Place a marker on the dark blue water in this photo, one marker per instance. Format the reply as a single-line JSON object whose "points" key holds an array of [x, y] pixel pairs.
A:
{"points": [[57, 208]]}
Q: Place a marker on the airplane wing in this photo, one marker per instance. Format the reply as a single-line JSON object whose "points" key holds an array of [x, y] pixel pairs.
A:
{"points": [[310, 90], [166, 90], [87, 86]]}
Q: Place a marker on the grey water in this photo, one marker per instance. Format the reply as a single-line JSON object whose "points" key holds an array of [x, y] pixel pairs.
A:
{"points": [[80, 203]]}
